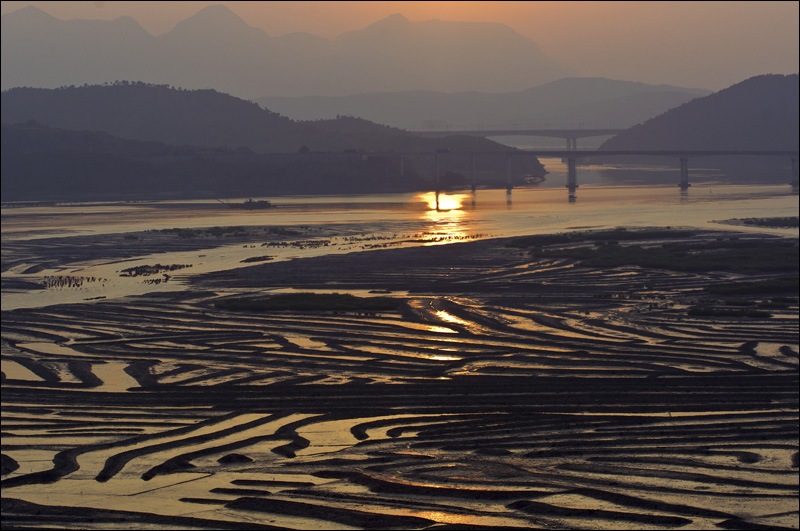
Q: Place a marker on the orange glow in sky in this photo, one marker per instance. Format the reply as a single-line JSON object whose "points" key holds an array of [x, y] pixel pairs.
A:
{"points": [[707, 44]]}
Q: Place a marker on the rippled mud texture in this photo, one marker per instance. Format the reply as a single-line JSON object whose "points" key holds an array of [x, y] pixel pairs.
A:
{"points": [[505, 390]]}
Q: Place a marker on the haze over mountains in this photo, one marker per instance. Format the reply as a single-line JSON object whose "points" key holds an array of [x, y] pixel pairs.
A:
{"points": [[217, 49], [567, 102], [87, 105]]}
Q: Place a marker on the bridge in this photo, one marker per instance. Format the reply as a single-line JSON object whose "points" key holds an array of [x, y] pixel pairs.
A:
{"points": [[570, 135], [572, 156]]}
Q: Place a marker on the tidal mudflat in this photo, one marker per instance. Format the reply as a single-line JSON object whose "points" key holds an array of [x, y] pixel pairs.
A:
{"points": [[528, 382]]}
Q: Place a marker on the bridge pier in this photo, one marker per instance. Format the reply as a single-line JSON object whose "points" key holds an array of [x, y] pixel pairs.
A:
{"points": [[508, 174], [572, 143], [474, 183], [684, 173], [437, 180], [572, 177]]}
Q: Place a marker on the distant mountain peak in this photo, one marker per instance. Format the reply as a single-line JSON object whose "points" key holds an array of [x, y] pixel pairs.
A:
{"points": [[216, 11], [396, 17], [29, 11], [391, 24], [214, 18], [29, 16]]}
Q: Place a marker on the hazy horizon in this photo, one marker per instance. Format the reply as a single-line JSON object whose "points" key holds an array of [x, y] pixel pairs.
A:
{"points": [[707, 45]]}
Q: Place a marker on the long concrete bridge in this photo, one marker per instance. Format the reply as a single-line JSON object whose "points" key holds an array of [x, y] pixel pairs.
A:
{"points": [[570, 135], [572, 156]]}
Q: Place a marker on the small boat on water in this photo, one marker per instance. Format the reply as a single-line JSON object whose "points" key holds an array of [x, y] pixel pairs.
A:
{"points": [[534, 179], [250, 204]]}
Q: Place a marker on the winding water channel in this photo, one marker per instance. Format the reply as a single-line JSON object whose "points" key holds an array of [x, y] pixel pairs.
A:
{"points": [[342, 224]]}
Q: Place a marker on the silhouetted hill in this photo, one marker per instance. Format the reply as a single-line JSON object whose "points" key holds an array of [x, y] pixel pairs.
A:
{"points": [[216, 48], [154, 112], [592, 102], [141, 111], [146, 140], [760, 113], [42, 163]]}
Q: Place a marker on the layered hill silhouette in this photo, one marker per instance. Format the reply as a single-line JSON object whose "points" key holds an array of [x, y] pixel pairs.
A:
{"points": [[760, 113], [567, 102], [215, 48], [147, 140], [206, 118]]}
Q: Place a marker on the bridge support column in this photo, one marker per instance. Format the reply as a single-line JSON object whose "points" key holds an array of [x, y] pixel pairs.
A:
{"points": [[572, 143], [572, 177], [508, 174], [684, 173], [474, 184], [437, 180]]}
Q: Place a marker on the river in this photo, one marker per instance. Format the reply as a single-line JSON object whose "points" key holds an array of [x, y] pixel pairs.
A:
{"points": [[392, 219]]}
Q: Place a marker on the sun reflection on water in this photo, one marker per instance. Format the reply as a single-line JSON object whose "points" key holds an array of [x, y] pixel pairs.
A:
{"points": [[450, 318], [440, 357], [443, 203], [446, 215]]}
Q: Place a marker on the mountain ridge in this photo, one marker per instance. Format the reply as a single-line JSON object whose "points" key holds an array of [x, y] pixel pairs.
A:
{"points": [[567, 102], [43, 51]]}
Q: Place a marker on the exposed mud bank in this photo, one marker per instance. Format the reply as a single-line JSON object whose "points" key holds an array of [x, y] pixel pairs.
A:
{"points": [[505, 391]]}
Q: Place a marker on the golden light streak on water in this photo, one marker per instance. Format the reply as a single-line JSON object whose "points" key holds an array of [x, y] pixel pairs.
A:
{"points": [[446, 215], [450, 318]]}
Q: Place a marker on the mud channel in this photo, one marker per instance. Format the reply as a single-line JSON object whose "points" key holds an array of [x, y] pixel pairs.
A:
{"points": [[507, 389]]}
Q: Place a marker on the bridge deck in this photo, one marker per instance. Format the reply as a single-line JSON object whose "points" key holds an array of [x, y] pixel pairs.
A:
{"points": [[555, 133], [585, 153]]}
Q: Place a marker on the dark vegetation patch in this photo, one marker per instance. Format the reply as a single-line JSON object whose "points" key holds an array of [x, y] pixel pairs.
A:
{"points": [[264, 258], [544, 509], [782, 284], [705, 311], [621, 234], [310, 302], [219, 232], [234, 459], [65, 517], [778, 223], [230, 232], [361, 519], [730, 254], [8, 465], [147, 270]]}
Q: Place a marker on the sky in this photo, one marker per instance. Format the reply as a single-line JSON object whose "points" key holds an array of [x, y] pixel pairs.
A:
{"points": [[709, 45]]}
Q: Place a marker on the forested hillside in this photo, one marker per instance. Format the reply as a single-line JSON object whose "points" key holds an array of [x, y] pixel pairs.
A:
{"points": [[760, 113], [40, 163], [142, 111], [137, 139]]}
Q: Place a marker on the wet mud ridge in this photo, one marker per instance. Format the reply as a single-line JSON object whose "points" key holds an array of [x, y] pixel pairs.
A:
{"points": [[508, 388]]}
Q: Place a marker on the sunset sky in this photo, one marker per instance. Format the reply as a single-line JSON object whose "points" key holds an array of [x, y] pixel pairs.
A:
{"points": [[709, 45]]}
